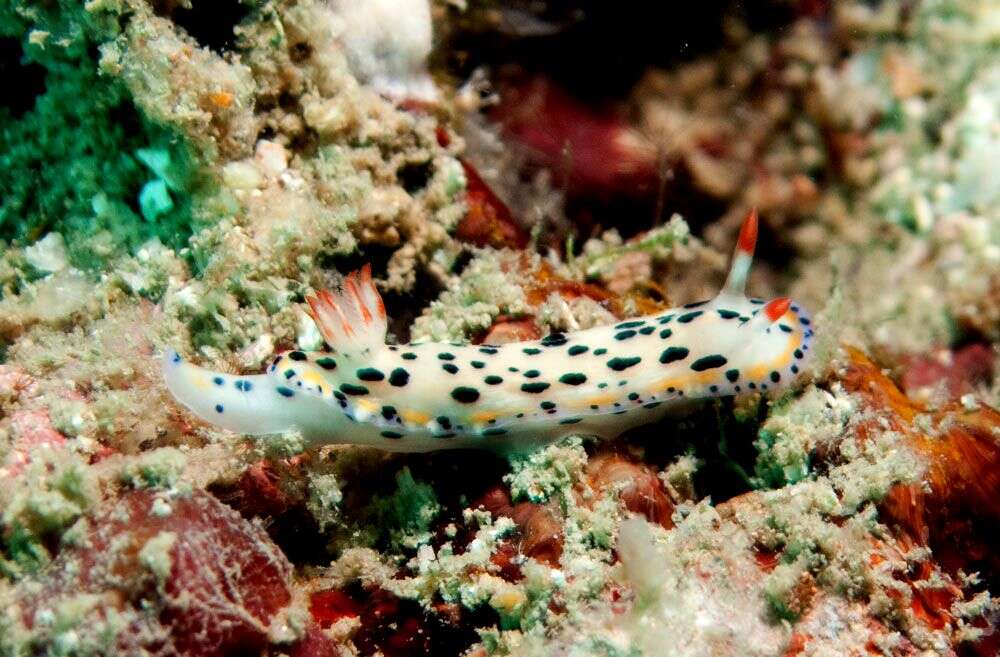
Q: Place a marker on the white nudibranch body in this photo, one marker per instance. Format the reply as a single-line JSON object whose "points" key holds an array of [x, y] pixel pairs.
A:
{"points": [[430, 396]]}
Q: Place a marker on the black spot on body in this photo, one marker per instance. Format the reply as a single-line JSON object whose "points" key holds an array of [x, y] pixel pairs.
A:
{"points": [[547, 405], [573, 378], [444, 422], [708, 362], [534, 387], [409, 355], [444, 355], [285, 392], [623, 363], [218, 408], [577, 349], [688, 317], [775, 377], [665, 319], [296, 355], [600, 352], [351, 389], [624, 335], [666, 333], [732, 375], [399, 377], [487, 350], [696, 304], [465, 394], [531, 351], [795, 369], [728, 314], [570, 420], [370, 374], [494, 431], [388, 412], [785, 327], [477, 364], [289, 373], [651, 404], [632, 324], [218, 381], [532, 374], [647, 330], [554, 340], [395, 435], [243, 386], [450, 368], [633, 396], [326, 363], [804, 321], [493, 380], [671, 354], [798, 353]]}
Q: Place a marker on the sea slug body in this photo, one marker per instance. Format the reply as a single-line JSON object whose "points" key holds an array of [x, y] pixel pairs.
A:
{"points": [[430, 396]]}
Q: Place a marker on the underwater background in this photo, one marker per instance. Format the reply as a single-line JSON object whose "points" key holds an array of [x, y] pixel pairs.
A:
{"points": [[180, 174]]}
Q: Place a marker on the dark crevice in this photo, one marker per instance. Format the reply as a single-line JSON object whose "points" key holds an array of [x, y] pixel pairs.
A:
{"points": [[414, 176], [23, 81], [212, 23], [724, 445]]}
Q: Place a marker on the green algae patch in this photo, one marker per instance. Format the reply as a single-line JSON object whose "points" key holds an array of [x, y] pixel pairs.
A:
{"points": [[54, 491], [324, 499], [539, 474], [794, 429], [408, 513], [472, 301], [158, 469], [76, 160]]}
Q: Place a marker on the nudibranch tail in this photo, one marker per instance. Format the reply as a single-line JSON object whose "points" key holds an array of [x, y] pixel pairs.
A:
{"points": [[244, 404], [739, 270], [351, 320]]}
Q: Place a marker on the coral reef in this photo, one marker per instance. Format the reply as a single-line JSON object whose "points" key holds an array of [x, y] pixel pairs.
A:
{"points": [[182, 174]]}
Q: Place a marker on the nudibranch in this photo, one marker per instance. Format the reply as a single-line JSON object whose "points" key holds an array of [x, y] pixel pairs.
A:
{"points": [[432, 395]]}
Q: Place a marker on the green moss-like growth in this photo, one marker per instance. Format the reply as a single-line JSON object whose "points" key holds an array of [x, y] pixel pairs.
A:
{"points": [[409, 512], [79, 158], [57, 489]]}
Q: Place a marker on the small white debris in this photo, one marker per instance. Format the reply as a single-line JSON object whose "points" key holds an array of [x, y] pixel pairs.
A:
{"points": [[48, 254]]}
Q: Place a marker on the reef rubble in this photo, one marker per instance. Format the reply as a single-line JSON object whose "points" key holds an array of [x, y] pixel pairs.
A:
{"points": [[182, 174]]}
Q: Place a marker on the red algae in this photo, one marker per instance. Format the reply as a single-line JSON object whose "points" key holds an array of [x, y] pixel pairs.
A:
{"points": [[539, 532], [641, 490], [954, 511], [958, 371], [594, 150], [192, 576], [488, 221]]}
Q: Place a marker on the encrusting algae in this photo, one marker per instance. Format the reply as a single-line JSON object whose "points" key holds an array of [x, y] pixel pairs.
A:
{"points": [[188, 176]]}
